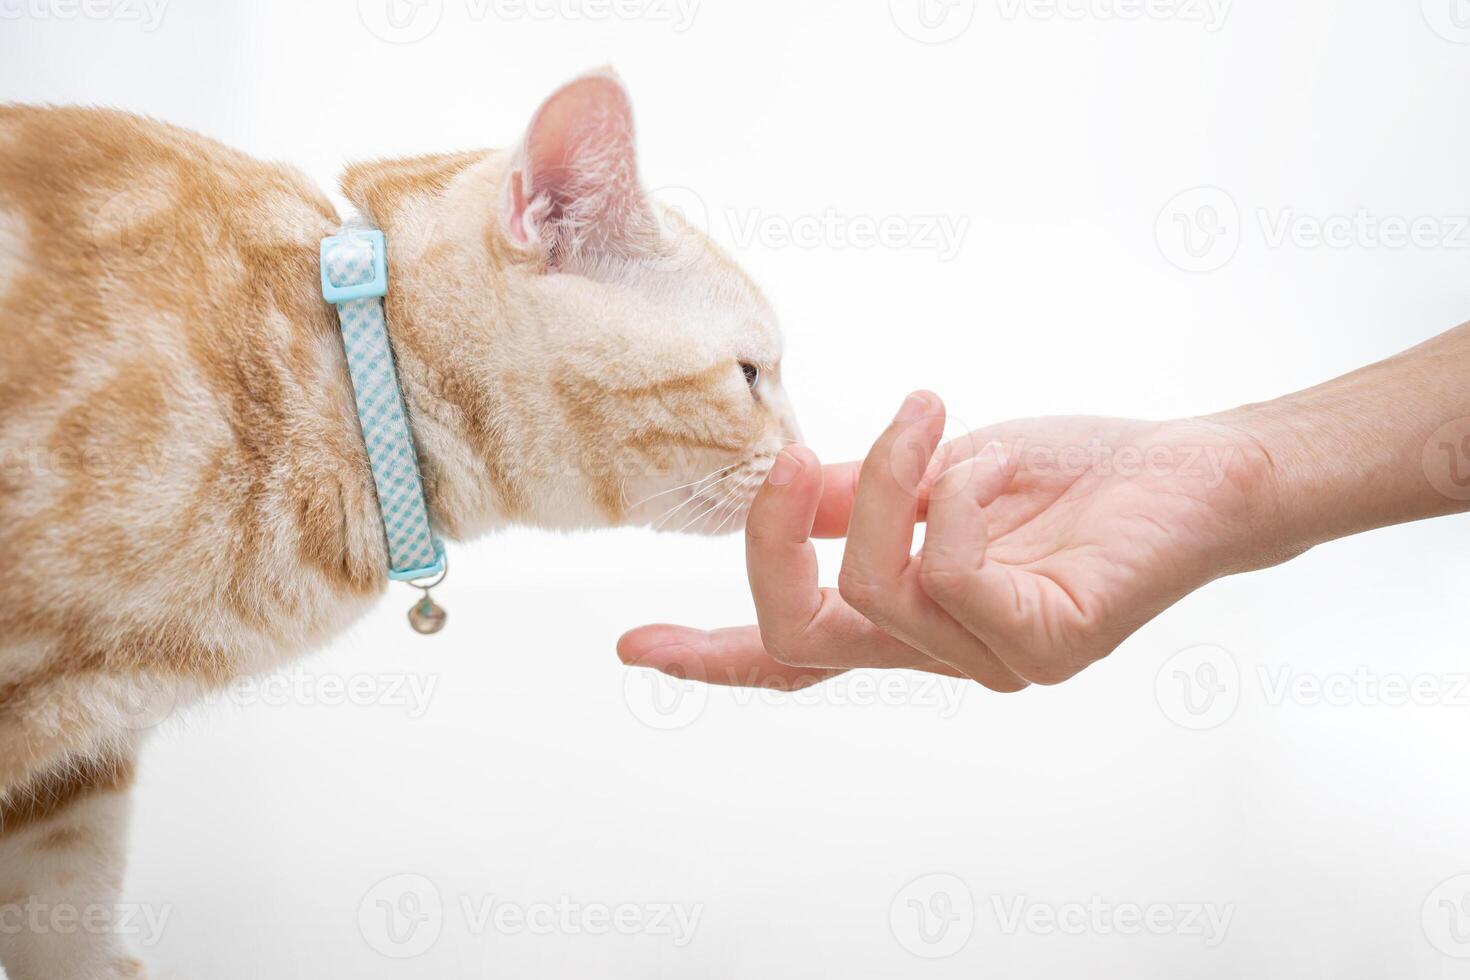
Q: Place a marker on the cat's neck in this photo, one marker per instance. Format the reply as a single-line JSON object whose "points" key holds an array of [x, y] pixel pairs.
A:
{"points": [[446, 319]]}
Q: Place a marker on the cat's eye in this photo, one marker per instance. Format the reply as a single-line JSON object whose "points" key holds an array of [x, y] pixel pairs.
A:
{"points": [[752, 373]]}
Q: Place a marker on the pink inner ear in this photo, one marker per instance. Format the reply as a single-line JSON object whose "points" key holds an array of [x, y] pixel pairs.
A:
{"points": [[578, 187]]}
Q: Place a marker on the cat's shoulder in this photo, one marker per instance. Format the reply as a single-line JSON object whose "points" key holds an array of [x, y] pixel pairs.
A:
{"points": [[46, 151], [59, 131]]}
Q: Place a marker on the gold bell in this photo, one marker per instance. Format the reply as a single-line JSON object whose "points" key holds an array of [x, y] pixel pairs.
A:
{"points": [[427, 616]]}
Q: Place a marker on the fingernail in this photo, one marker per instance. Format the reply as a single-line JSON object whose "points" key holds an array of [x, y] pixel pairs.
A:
{"points": [[915, 407], [784, 470]]}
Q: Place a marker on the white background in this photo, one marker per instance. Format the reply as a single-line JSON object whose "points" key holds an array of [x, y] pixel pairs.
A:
{"points": [[540, 770]]}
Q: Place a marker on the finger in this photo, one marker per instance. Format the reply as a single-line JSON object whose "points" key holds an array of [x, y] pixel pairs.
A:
{"points": [[881, 532], [839, 485], [800, 624], [877, 579], [779, 557], [954, 570], [734, 657], [840, 480]]}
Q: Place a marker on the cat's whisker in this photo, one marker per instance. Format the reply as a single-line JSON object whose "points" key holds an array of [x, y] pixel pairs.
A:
{"points": [[678, 506], [742, 502], [734, 504], [712, 506], [699, 494], [668, 515], [682, 486], [695, 517], [731, 495]]}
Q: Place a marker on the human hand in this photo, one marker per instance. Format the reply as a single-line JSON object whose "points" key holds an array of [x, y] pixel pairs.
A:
{"points": [[1049, 542]]}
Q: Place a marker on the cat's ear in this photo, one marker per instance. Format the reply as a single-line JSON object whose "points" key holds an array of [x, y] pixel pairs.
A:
{"points": [[573, 186]]}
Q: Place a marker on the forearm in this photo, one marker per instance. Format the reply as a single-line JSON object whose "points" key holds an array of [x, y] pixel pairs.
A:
{"points": [[1375, 447]]}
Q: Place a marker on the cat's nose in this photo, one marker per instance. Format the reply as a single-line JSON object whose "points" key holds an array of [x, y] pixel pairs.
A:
{"points": [[785, 416]]}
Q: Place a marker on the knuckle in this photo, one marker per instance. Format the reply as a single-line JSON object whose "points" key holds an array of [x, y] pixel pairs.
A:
{"points": [[942, 579], [754, 533], [1047, 671], [858, 589], [780, 648], [1006, 685]]}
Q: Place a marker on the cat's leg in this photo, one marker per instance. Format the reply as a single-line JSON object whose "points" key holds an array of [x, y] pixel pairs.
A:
{"points": [[62, 840]]}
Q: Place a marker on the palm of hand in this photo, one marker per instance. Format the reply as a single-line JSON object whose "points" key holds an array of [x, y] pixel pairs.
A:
{"points": [[1104, 524]]}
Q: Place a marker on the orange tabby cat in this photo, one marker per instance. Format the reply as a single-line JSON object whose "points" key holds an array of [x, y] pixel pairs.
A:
{"points": [[184, 491]]}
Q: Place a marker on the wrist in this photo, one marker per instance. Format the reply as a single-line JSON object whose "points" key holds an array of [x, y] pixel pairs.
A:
{"points": [[1347, 457], [1266, 479]]}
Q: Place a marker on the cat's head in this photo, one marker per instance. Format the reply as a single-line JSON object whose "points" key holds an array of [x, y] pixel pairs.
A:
{"points": [[574, 352]]}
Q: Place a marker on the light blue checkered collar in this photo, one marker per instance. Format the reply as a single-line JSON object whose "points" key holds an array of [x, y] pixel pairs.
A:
{"points": [[355, 280]]}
